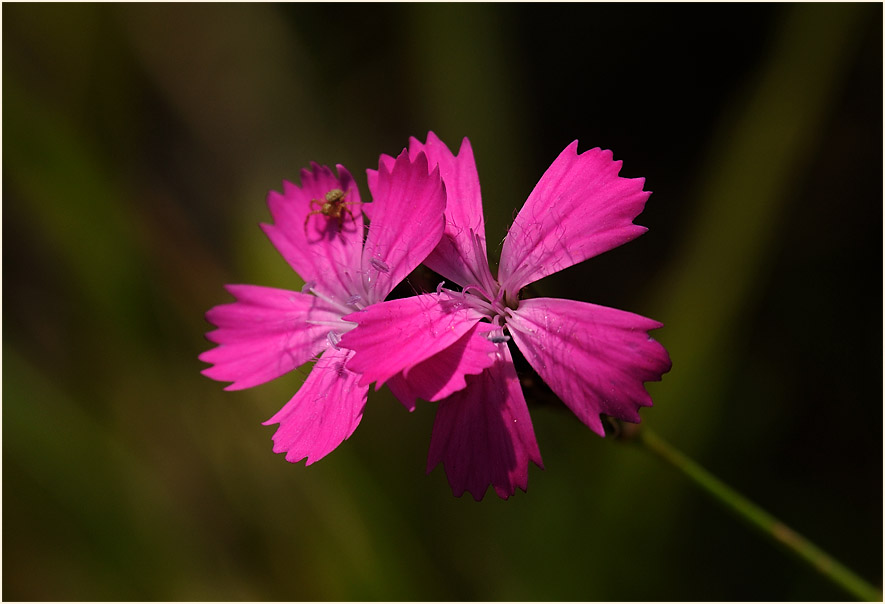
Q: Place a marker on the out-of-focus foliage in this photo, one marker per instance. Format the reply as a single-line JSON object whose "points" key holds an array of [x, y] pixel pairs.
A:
{"points": [[139, 142]]}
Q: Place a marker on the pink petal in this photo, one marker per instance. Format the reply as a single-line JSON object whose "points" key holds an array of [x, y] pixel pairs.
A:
{"points": [[325, 412], [443, 374], [407, 223], [321, 249], [579, 208], [461, 253], [392, 337], [594, 358], [267, 332], [483, 434], [372, 175]]}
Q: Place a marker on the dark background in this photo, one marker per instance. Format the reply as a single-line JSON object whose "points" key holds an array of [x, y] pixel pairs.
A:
{"points": [[139, 142]]}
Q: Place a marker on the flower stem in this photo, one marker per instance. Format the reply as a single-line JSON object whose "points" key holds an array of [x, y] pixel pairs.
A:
{"points": [[760, 519]]}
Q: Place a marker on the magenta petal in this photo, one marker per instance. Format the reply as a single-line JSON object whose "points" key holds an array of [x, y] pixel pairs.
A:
{"points": [[325, 412], [483, 434], [267, 332], [594, 358], [321, 249], [394, 336], [443, 374], [579, 208], [372, 175], [407, 209], [461, 253]]}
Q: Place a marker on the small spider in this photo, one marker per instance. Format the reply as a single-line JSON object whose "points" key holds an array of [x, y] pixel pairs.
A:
{"points": [[332, 206]]}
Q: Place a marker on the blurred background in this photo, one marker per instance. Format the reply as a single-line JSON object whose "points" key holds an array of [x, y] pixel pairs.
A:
{"points": [[139, 142]]}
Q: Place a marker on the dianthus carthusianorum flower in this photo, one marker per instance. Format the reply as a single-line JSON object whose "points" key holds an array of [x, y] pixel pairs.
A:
{"points": [[596, 359], [318, 229]]}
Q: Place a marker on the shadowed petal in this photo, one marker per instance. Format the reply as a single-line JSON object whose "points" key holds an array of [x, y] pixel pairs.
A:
{"points": [[443, 374], [579, 208], [267, 332], [325, 412], [391, 337], [322, 249], [461, 253], [593, 357], [407, 209], [483, 434]]}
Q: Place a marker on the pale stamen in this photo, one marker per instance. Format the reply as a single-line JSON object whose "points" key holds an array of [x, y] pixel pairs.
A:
{"points": [[333, 338], [497, 336], [340, 307], [355, 301], [379, 265]]}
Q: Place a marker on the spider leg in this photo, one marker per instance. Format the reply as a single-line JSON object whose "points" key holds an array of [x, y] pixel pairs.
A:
{"points": [[309, 214], [344, 208]]}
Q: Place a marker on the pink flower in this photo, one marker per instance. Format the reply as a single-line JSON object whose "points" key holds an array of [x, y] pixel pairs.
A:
{"points": [[594, 358], [318, 228]]}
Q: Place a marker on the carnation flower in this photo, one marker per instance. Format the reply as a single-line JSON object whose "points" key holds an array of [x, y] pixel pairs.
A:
{"points": [[596, 359], [318, 229]]}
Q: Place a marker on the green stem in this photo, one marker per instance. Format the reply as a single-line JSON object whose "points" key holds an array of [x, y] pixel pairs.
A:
{"points": [[762, 520]]}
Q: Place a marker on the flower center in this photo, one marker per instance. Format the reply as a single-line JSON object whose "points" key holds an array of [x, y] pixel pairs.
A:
{"points": [[492, 307], [337, 327]]}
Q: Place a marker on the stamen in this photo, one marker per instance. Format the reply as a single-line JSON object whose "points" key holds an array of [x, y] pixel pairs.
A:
{"points": [[481, 291], [352, 301], [341, 308], [379, 265], [333, 338], [478, 300], [337, 323], [308, 287], [451, 303], [497, 336]]}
